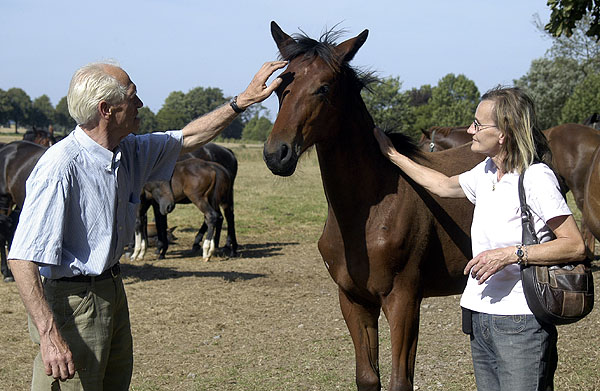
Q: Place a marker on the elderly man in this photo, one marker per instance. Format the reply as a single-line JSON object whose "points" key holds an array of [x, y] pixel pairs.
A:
{"points": [[80, 212]]}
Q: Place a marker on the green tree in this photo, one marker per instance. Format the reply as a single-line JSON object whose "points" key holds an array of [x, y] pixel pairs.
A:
{"points": [[453, 101], [199, 101], [566, 13], [172, 113], [422, 111], [20, 104], [42, 112], [63, 119], [5, 107], [584, 101], [388, 105], [257, 129], [148, 121], [579, 46], [550, 82]]}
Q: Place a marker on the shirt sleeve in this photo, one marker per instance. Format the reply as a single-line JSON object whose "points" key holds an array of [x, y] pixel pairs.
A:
{"points": [[155, 153], [39, 234], [543, 193], [468, 182]]}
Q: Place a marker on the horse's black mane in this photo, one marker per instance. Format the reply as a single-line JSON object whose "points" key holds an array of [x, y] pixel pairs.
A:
{"points": [[309, 48]]}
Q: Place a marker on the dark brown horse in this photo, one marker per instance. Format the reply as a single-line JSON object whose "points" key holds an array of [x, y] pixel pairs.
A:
{"points": [[387, 242], [438, 138], [593, 121], [573, 148], [40, 136], [209, 152], [591, 196], [17, 160], [208, 186]]}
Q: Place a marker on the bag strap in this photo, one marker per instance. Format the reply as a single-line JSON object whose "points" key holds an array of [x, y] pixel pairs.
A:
{"points": [[529, 236]]}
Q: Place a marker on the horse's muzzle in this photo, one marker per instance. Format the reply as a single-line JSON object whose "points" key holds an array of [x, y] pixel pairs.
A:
{"points": [[282, 160]]}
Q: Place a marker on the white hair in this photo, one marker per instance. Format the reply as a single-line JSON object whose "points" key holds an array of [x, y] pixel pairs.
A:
{"points": [[90, 85]]}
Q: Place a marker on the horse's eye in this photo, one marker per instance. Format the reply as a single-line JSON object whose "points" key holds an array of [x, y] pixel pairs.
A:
{"points": [[323, 90]]}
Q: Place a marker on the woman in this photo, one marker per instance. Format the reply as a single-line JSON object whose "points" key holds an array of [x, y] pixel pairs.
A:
{"points": [[511, 350]]}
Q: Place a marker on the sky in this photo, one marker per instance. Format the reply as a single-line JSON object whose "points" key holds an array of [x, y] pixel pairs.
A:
{"points": [[177, 45]]}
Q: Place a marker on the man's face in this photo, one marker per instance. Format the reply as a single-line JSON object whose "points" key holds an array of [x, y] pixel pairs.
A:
{"points": [[124, 118]]}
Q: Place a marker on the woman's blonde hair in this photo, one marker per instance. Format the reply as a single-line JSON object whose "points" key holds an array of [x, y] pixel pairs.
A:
{"points": [[514, 114]]}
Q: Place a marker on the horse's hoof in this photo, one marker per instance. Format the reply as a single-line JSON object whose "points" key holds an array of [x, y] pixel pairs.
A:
{"points": [[9, 279], [161, 256], [206, 259]]}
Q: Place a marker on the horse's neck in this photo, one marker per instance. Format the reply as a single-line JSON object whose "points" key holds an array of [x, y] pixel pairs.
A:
{"points": [[353, 169]]}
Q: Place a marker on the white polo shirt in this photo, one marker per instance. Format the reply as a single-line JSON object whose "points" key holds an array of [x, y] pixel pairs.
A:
{"points": [[497, 224]]}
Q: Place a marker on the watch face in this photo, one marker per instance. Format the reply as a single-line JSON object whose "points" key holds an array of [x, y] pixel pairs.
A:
{"points": [[520, 253]]}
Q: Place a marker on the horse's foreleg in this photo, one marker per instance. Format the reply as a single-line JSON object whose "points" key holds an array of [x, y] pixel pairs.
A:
{"points": [[162, 240], [231, 242], [588, 237], [211, 215], [362, 323], [139, 248], [402, 311]]}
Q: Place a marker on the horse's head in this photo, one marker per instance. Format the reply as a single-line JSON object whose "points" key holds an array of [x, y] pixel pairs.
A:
{"points": [[162, 193], [317, 84]]}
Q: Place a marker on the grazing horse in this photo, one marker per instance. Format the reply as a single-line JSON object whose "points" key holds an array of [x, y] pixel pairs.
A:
{"points": [[40, 136], [573, 148], [208, 186], [591, 196], [593, 121], [17, 160], [209, 152], [387, 242], [439, 138]]}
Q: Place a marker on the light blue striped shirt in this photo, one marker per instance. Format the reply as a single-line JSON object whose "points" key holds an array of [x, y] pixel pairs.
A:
{"points": [[81, 202]]}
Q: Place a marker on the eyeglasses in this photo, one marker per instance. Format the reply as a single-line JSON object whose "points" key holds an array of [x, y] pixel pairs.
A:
{"points": [[479, 126]]}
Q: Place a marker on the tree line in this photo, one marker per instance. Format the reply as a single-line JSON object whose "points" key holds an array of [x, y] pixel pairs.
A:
{"points": [[565, 85]]}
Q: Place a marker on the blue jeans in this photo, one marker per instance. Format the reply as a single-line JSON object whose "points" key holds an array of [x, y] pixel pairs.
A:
{"points": [[513, 353]]}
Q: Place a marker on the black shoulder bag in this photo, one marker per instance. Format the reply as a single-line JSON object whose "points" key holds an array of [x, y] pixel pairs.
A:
{"points": [[557, 294]]}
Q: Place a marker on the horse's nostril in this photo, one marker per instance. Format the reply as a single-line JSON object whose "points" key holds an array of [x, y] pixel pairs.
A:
{"points": [[284, 153]]}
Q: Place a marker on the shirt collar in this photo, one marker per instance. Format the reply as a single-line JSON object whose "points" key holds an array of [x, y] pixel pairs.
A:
{"points": [[108, 159]]}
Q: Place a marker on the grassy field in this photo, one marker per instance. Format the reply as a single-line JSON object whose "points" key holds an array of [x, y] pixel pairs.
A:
{"points": [[269, 319]]}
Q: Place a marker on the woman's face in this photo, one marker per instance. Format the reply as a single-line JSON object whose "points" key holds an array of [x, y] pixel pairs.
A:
{"points": [[487, 138]]}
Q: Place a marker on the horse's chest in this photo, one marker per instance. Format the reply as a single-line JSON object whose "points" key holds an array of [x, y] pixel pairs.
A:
{"points": [[360, 263]]}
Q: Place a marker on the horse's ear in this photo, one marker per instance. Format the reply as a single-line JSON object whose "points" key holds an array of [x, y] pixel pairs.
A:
{"points": [[347, 49], [426, 132], [281, 39]]}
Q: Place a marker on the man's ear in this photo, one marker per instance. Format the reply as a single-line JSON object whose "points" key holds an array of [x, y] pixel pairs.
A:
{"points": [[104, 109]]}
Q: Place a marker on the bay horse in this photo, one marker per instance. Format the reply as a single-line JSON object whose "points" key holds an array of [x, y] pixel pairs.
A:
{"points": [[40, 136], [17, 160], [439, 138], [593, 121], [387, 242], [209, 152], [208, 186], [573, 146], [591, 196]]}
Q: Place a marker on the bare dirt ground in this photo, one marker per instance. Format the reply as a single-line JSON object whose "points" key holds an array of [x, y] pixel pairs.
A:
{"points": [[269, 320]]}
